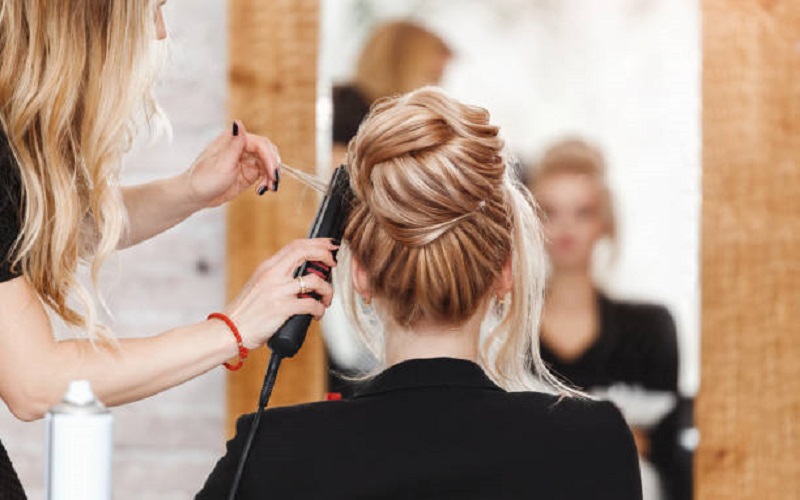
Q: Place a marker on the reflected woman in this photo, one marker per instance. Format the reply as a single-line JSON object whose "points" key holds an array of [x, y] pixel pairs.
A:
{"points": [[439, 242], [590, 339]]}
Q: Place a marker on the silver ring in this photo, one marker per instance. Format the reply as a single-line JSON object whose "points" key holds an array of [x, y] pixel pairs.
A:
{"points": [[303, 286]]}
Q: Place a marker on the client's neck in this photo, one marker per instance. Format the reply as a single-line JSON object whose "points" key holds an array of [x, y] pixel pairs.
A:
{"points": [[433, 340]]}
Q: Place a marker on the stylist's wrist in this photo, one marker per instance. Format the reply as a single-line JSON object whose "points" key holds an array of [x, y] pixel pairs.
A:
{"points": [[252, 338], [183, 185], [222, 337]]}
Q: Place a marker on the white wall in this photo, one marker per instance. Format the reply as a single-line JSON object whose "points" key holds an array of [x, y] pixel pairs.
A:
{"points": [[165, 446], [623, 73]]}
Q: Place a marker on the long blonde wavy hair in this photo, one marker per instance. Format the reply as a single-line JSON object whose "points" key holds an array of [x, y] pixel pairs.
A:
{"points": [[75, 79], [436, 215]]}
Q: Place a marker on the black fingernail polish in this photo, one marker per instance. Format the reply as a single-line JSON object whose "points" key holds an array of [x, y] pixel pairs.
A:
{"points": [[277, 178], [262, 190], [235, 129]]}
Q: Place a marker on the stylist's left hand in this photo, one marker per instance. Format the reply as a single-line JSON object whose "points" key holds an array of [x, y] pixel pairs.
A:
{"points": [[234, 162]]}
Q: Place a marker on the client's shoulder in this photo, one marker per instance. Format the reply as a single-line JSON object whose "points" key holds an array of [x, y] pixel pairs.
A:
{"points": [[314, 414], [569, 413], [570, 423]]}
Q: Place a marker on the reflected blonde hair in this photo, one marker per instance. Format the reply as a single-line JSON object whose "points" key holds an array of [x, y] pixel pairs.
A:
{"points": [[394, 58], [436, 214], [75, 78], [578, 157]]}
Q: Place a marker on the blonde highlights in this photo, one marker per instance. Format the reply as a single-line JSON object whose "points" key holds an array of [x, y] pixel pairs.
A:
{"points": [[75, 79], [436, 215]]}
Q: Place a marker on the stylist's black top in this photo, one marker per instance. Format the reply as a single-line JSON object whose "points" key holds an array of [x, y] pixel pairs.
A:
{"points": [[10, 488], [435, 429], [9, 207]]}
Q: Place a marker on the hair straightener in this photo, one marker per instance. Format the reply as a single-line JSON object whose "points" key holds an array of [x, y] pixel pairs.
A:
{"points": [[328, 223]]}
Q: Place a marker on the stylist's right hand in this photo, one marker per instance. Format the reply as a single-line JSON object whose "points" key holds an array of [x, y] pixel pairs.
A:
{"points": [[270, 297]]}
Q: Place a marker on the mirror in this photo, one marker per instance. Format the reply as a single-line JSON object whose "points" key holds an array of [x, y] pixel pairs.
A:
{"points": [[624, 78]]}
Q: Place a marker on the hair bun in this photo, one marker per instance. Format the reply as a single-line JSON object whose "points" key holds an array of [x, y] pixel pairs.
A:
{"points": [[426, 163]]}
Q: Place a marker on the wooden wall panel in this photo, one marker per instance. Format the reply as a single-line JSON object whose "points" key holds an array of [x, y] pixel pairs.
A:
{"points": [[273, 79], [748, 408]]}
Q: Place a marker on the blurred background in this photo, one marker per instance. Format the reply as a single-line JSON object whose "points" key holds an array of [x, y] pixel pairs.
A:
{"points": [[622, 75]]}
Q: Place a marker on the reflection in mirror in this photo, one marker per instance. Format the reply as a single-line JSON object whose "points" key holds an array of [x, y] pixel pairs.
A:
{"points": [[600, 104]]}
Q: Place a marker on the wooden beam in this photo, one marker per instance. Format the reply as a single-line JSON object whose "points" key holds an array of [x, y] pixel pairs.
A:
{"points": [[748, 409], [273, 81]]}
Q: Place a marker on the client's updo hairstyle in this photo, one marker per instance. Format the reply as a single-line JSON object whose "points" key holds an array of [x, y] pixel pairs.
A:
{"points": [[435, 216]]}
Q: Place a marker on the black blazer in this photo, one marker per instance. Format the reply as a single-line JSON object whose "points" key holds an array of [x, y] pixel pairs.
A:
{"points": [[435, 428]]}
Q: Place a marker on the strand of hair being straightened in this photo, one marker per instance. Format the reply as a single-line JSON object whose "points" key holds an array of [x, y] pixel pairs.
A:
{"points": [[309, 180]]}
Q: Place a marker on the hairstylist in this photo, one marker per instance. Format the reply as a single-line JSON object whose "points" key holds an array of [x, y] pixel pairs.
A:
{"points": [[73, 77]]}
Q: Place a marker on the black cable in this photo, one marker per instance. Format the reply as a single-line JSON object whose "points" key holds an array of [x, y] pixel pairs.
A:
{"points": [[266, 390]]}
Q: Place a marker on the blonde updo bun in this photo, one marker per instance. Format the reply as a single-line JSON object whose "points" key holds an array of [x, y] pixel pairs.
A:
{"points": [[427, 173]]}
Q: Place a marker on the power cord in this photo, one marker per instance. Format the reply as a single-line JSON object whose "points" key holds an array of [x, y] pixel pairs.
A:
{"points": [[266, 391]]}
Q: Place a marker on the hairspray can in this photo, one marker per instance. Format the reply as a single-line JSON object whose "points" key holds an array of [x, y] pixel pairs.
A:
{"points": [[79, 446]]}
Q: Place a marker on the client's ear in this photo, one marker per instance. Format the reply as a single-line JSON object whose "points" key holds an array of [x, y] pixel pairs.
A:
{"points": [[506, 279], [360, 280]]}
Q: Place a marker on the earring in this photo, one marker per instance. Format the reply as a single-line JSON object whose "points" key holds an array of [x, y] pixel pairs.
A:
{"points": [[365, 306], [500, 305]]}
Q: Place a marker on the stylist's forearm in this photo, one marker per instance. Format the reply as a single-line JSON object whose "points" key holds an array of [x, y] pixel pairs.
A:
{"points": [[155, 207], [146, 366]]}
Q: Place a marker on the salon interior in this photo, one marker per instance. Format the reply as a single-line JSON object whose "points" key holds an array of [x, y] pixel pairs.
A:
{"points": [[660, 139]]}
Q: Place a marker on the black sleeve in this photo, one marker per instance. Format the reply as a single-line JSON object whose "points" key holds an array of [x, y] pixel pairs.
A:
{"points": [[602, 453], [9, 211], [661, 353], [219, 482], [620, 461]]}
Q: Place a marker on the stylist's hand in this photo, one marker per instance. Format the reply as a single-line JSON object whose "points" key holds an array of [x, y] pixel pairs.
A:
{"points": [[234, 162], [271, 295]]}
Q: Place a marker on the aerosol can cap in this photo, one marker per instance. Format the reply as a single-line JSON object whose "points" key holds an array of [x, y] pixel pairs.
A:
{"points": [[79, 398]]}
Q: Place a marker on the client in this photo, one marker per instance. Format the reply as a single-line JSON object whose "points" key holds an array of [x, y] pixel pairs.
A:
{"points": [[444, 251]]}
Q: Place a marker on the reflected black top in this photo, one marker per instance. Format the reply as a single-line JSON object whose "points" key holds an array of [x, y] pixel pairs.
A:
{"points": [[10, 487], [435, 428], [636, 345], [350, 107], [9, 207]]}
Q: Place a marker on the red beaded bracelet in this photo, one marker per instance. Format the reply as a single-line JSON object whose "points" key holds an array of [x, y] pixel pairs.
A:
{"points": [[243, 351]]}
